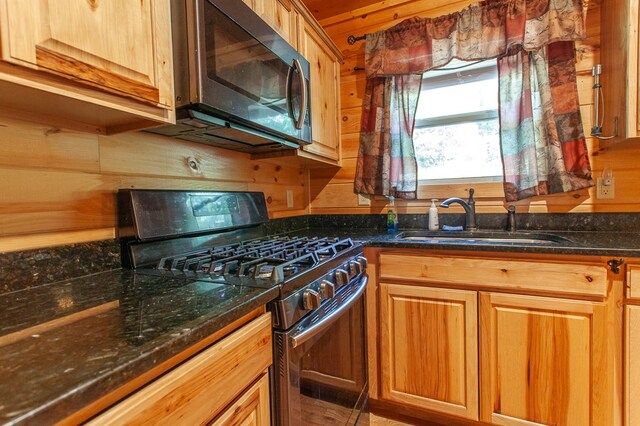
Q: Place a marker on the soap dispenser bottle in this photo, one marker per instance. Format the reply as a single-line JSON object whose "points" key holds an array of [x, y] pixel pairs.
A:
{"points": [[392, 216], [434, 225]]}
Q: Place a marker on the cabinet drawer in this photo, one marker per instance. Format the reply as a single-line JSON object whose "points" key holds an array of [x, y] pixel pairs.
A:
{"points": [[633, 281], [252, 408], [538, 276], [200, 388]]}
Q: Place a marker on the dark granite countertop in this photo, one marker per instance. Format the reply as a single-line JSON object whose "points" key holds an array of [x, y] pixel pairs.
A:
{"points": [[588, 243], [127, 323], [124, 324]]}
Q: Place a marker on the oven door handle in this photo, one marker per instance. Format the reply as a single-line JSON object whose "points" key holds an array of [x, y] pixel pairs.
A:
{"points": [[308, 334]]}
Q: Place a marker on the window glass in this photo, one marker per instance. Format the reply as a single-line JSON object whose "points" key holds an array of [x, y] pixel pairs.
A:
{"points": [[456, 133]]}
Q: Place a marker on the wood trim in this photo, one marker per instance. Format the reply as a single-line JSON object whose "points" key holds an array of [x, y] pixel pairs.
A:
{"points": [[7, 339], [130, 387], [372, 299], [96, 77], [254, 400]]}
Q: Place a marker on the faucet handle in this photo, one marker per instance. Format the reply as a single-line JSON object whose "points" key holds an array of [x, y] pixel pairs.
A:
{"points": [[471, 200]]}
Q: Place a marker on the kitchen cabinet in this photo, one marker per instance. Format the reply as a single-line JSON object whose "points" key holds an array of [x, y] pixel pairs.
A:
{"points": [[632, 346], [620, 70], [105, 65], [499, 338], [324, 95], [543, 360], [280, 15], [428, 348], [227, 382], [252, 408], [632, 365]]}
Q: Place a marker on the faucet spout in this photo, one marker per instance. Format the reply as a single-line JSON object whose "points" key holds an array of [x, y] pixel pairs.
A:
{"points": [[469, 207]]}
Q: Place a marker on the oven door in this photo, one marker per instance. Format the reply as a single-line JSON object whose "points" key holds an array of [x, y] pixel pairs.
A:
{"points": [[247, 72], [320, 367]]}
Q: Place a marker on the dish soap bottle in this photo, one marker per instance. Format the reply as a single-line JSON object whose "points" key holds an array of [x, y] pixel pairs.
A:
{"points": [[392, 216], [434, 225]]}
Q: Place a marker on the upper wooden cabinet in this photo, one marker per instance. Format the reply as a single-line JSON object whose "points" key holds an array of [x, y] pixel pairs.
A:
{"points": [[99, 63], [280, 15], [324, 93], [620, 71]]}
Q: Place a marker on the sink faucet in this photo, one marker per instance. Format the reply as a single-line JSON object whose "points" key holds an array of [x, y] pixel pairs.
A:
{"points": [[469, 207]]}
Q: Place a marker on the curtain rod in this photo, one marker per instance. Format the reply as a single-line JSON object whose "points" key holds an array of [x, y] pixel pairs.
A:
{"points": [[436, 69], [352, 39]]}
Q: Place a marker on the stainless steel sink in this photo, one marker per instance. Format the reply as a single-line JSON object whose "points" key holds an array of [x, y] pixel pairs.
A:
{"points": [[483, 237]]}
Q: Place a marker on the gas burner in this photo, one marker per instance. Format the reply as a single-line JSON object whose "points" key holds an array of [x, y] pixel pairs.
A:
{"points": [[275, 259]]}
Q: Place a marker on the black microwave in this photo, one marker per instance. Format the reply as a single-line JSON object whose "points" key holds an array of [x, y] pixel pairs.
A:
{"points": [[238, 83]]}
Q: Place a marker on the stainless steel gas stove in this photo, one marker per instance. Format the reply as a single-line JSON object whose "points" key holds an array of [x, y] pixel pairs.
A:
{"points": [[319, 373]]}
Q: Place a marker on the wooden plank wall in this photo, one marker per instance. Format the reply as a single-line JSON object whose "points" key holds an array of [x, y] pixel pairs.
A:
{"points": [[58, 186], [331, 191]]}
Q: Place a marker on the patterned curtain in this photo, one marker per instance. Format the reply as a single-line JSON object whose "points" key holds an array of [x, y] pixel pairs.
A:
{"points": [[521, 34], [541, 136]]}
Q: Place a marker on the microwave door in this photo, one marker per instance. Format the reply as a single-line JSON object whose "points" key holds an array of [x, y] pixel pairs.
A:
{"points": [[240, 77]]}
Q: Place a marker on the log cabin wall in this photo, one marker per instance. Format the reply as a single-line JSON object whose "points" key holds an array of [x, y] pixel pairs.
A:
{"points": [[331, 191], [58, 186]]}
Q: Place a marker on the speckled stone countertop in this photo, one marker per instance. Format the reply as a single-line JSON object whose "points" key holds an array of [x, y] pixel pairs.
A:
{"points": [[619, 244], [125, 324]]}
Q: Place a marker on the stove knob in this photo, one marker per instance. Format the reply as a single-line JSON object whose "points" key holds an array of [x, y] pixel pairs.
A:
{"points": [[363, 263], [311, 299], [354, 268], [342, 277], [327, 289]]}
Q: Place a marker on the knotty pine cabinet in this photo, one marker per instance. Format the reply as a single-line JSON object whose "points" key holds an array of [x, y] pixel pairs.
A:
{"points": [[428, 348], [280, 15], [293, 21], [225, 384], [619, 52], [500, 338], [98, 66], [632, 346]]}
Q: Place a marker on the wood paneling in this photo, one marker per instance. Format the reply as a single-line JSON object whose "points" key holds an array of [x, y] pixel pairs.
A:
{"points": [[334, 195], [58, 186], [428, 348]]}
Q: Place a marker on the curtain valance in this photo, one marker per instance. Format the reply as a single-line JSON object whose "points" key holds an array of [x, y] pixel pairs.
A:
{"points": [[480, 31]]}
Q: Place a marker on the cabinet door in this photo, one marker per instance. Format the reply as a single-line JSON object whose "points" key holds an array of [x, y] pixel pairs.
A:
{"points": [[428, 348], [632, 367], [279, 14], [109, 45], [252, 408], [543, 360], [324, 95]]}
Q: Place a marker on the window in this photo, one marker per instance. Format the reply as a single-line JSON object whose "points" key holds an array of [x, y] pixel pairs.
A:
{"points": [[456, 134]]}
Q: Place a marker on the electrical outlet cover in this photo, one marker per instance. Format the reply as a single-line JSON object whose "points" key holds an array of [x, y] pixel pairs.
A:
{"points": [[605, 192]]}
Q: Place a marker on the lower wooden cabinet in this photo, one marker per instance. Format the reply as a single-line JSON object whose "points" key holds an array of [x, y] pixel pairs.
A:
{"points": [[543, 360], [200, 389], [632, 361], [428, 348], [504, 340], [252, 408]]}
